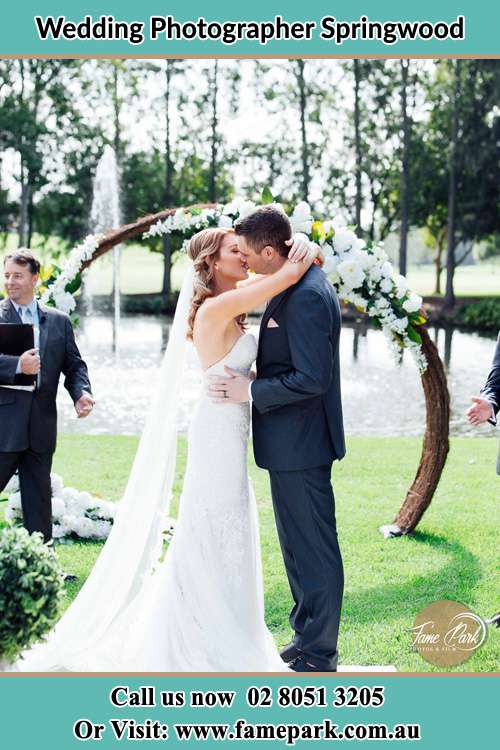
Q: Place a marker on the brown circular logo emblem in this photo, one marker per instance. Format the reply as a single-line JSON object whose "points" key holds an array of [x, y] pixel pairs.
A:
{"points": [[446, 633]]}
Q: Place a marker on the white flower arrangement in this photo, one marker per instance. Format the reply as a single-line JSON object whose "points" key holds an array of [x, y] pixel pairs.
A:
{"points": [[59, 292], [74, 513]]}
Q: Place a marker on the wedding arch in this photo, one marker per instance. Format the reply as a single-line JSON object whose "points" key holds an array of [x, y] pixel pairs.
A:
{"points": [[362, 275]]}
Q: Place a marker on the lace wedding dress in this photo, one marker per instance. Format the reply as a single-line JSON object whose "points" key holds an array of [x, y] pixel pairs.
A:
{"points": [[202, 609]]}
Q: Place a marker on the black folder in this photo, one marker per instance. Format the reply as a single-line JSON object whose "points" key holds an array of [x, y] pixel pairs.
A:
{"points": [[15, 339]]}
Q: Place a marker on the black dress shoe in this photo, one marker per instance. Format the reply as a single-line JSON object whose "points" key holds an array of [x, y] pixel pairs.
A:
{"points": [[300, 664], [289, 652], [69, 577]]}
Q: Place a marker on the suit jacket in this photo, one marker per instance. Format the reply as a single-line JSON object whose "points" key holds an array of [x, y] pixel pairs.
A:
{"points": [[29, 419], [491, 389], [296, 402]]}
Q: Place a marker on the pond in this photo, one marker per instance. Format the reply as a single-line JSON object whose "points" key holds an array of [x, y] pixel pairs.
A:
{"points": [[378, 396]]}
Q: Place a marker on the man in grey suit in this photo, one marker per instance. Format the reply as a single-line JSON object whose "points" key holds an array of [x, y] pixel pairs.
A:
{"points": [[487, 405], [28, 419]]}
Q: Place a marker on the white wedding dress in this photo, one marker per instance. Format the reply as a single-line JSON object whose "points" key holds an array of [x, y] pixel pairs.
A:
{"points": [[202, 609]]}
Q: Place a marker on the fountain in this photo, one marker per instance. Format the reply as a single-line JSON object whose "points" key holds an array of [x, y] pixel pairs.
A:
{"points": [[105, 215]]}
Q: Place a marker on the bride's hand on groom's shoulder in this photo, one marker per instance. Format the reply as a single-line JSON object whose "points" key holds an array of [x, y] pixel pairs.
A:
{"points": [[302, 249], [299, 247]]}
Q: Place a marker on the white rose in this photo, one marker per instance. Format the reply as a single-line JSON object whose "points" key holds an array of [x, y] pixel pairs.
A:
{"points": [[381, 303], [343, 240], [399, 325], [331, 264], [56, 483], [59, 530], [301, 219], [246, 208], [387, 269], [374, 271], [402, 286], [64, 301], [413, 303], [351, 273], [339, 222], [69, 494], [58, 507], [225, 221], [233, 206], [386, 285]]}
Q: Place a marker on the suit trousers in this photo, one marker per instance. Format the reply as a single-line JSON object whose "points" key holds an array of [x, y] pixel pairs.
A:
{"points": [[36, 492], [304, 508]]}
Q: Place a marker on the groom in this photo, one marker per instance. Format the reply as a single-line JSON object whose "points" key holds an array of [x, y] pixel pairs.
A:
{"points": [[297, 434]]}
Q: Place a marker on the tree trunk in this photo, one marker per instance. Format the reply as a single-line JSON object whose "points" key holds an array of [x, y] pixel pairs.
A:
{"points": [[449, 302], [405, 172], [212, 185], [438, 262], [303, 133], [167, 198], [23, 208], [117, 145], [357, 143]]}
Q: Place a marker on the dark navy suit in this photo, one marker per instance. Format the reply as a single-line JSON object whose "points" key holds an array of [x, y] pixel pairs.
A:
{"points": [[297, 434], [491, 389], [28, 419]]}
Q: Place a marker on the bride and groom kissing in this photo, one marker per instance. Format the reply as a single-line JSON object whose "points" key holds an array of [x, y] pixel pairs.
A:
{"points": [[202, 609]]}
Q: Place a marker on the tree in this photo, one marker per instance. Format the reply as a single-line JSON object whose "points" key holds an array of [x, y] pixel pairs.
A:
{"points": [[294, 95]]}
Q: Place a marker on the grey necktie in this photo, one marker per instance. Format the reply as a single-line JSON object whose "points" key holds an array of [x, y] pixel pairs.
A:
{"points": [[27, 318]]}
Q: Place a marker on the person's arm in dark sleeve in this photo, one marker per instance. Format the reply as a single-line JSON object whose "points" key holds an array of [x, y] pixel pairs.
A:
{"points": [[491, 389], [74, 368]]}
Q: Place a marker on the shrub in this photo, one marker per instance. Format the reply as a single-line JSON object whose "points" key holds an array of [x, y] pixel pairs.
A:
{"points": [[484, 314], [31, 590]]}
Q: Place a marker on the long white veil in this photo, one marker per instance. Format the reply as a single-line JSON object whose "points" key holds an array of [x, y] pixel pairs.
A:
{"points": [[135, 543]]}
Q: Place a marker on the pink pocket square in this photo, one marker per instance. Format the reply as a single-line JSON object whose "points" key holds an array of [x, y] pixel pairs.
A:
{"points": [[271, 323]]}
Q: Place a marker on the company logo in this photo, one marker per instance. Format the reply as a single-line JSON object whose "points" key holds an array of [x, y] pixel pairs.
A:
{"points": [[446, 633]]}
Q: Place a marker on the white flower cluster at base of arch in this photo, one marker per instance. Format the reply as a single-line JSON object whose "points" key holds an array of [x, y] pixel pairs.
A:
{"points": [[74, 513], [361, 274]]}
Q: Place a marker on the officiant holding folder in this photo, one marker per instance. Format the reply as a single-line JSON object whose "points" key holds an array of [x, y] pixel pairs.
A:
{"points": [[28, 414]]}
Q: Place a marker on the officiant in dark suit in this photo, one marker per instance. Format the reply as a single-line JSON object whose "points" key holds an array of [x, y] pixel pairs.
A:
{"points": [[28, 418], [487, 405]]}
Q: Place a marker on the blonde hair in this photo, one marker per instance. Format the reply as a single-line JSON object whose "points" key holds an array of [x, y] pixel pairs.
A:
{"points": [[204, 247]]}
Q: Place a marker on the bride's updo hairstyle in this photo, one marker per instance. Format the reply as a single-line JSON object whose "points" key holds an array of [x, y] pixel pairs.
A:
{"points": [[203, 249]]}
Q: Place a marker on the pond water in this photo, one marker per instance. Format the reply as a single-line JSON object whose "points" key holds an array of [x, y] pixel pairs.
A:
{"points": [[379, 397]]}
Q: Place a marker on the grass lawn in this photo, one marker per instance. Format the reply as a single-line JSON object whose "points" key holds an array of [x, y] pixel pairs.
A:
{"points": [[469, 281], [453, 555]]}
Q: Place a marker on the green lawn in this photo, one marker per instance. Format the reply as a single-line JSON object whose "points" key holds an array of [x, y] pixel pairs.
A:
{"points": [[453, 555], [470, 281]]}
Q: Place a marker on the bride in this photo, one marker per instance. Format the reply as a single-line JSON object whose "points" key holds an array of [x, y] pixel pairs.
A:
{"points": [[201, 608]]}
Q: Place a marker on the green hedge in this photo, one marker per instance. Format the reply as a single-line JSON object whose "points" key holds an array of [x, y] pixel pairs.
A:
{"points": [[484, 314]]}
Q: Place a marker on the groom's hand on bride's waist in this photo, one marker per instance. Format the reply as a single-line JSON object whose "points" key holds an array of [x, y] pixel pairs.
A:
{"points": [[229, 389]]}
